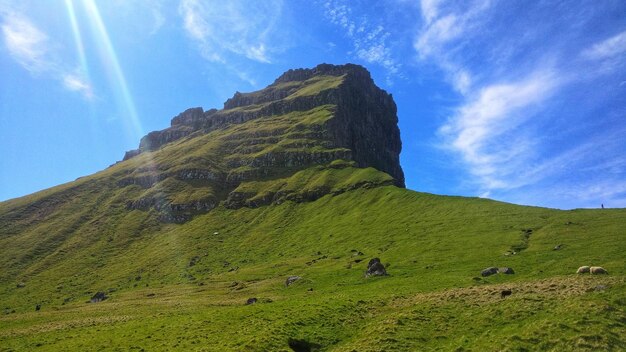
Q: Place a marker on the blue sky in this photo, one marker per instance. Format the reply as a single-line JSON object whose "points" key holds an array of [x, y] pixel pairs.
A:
{"points": [[519, 101]]}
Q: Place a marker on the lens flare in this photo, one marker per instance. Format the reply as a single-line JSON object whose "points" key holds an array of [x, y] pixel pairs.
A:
{"points": [[113, 68], [77, 37]]}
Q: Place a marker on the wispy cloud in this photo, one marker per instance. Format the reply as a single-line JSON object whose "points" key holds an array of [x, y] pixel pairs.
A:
{"points": [[607, 48], [485, 130], [32, 48], [370, 39], [26, 43], [439, 30], [222, 29], [505, 128], [77, 83], [430, 9]]}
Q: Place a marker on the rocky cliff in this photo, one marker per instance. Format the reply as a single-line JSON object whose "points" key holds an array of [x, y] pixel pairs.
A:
{"points": [[307, 117]]}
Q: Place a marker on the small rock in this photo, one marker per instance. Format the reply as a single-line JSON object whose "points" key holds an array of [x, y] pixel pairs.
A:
{"points": [[193, 261], [505, 293], [375, 268], [21, 285], [506, 270], [216, 233], [489, 271], [38, 307], [252, 300], [98, 297], [557, 247], [291, 279]]}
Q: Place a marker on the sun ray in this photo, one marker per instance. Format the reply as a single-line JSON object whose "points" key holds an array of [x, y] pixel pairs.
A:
{"points": [[112, 65], [69, 5], [119, 85]]}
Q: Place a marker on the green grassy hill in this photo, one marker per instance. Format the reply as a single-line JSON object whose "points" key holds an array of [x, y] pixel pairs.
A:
{"points": [[180, 236]]}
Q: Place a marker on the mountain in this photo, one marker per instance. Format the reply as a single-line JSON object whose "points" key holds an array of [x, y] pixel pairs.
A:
{"points": [[281, 199]]}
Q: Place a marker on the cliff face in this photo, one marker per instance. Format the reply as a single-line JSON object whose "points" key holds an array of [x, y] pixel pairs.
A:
{"points": [[252, 150], [364, 118]]}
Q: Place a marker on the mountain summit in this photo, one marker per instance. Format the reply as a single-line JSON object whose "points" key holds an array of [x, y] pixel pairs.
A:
{"points": [[258, 146]]}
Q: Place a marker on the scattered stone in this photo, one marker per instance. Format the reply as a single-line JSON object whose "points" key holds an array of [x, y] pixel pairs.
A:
{"points": [[252, 300], [233, 269], [375, 268], [194, 260], [37, 307], [595, 270], [506, 270], [557, 247], [291, 279], [505, 293], [150, 295], [489, 271], [310, 289], [216, 233], [302, 345], [21, 285], [583, 269], [600, 288], [98, 297]]}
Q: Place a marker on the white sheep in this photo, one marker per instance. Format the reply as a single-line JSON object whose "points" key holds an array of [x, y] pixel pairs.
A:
{"points": [[597, 270], [583, 269]]}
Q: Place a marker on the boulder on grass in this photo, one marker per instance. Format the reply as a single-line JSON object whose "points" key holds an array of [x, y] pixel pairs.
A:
{"points": [[291, 279], [489, 271], [98, 297], [252, 300], [375, 268], [506, 270]]}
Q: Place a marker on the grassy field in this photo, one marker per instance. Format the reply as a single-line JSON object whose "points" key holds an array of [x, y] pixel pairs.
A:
{"points": [[184, 287]]}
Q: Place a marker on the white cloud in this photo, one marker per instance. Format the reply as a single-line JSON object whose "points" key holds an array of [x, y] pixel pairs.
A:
{"points": [[370, 40], [233, 27], [32, 49], [78, 83], [25, 42], [607, 48], [430, 9], [485, 130]]}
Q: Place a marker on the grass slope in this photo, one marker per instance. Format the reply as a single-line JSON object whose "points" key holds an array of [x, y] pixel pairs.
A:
{"points": [[183, 287]]}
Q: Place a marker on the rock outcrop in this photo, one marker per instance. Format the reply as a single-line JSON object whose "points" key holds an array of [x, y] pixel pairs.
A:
{"points": [[307, 117], [375, 268]]}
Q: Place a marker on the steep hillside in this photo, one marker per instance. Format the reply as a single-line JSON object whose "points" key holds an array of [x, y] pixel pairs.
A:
{"points": [[299, 179]]}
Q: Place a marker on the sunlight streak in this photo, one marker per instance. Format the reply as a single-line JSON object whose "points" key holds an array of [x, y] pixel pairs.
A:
{"points": [[77, 37], [115, 74]]}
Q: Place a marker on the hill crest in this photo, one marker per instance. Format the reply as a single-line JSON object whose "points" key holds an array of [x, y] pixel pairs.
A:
{"points": [[325, 119]]}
